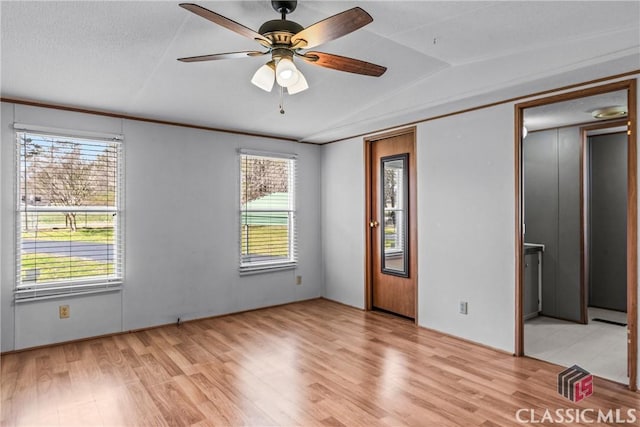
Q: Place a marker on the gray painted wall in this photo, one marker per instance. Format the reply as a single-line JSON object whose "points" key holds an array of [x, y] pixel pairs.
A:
{"points": [[568, 268], [466, 225], [608, 219], [540, 159], [552, 215], [181, 211], [343, 219]]}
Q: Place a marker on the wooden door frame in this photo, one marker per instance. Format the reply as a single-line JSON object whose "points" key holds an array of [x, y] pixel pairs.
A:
{"points": [[632, 214], [413, 217], [584, 207]]}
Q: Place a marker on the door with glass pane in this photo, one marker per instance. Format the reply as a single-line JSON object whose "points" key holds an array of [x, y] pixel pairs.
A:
{"points": [[392, 223]]}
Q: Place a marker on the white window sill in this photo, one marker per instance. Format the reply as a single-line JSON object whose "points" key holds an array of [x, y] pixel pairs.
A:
{"points": [[25, 294], [259, 269]]}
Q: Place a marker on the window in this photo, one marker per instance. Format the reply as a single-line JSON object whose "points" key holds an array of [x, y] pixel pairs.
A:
{"points": [[68, 216], [267, 211]]}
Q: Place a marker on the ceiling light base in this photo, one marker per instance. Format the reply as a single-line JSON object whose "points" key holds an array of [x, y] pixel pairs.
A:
{"points": [[285, 7], [614, 112]]}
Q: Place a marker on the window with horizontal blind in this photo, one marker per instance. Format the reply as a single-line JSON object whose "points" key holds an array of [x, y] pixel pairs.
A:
{"points": [[267, 211], [68, 215]]}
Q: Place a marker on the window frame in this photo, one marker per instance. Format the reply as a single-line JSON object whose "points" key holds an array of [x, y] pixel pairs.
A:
{"points": [[25, 291], [246, 268]]}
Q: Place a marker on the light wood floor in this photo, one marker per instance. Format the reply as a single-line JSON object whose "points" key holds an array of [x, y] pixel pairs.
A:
{"points": [[309, 363]]}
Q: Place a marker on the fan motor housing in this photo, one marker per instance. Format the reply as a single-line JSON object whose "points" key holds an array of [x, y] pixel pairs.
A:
{"points": [[285, 7], [279, 31]]}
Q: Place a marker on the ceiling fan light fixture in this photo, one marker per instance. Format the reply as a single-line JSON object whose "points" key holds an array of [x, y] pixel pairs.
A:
{"points": [[283, 39], [299, 86], [286, 73], [265, 76]]}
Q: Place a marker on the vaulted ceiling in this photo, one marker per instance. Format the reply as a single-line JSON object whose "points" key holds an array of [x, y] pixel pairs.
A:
{"points": [[121, 57]]}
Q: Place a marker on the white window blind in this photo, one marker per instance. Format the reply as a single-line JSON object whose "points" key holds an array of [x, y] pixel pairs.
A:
{"points": [[267, 211], [69, 221]]}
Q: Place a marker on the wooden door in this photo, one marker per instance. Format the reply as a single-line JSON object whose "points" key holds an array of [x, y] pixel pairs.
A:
{"points": [[392, 241]]}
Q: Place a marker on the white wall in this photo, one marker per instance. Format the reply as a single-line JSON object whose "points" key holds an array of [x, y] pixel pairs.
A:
{"points": [[343, 221], [466, 225], [181, 231]]}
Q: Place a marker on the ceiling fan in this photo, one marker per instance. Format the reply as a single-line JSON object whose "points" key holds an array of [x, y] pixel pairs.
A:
{"points": [[285, 39]]}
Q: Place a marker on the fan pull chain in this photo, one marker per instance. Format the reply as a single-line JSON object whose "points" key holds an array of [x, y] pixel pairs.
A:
{"points": [[281, 100]]}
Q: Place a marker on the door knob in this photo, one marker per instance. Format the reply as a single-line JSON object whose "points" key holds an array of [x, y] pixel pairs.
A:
{"points": [[373, 224]]}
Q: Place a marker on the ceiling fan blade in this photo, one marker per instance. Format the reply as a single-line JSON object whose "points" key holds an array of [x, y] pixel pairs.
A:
{"points": [[226, 22], [343, 63], [331, 28], [216, 56]]}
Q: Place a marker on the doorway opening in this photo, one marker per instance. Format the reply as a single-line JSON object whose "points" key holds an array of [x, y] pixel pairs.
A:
{"points": [[576, 238]]}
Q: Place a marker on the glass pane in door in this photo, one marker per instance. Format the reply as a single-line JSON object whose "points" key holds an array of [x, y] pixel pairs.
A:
{"points": [[395, 192]]}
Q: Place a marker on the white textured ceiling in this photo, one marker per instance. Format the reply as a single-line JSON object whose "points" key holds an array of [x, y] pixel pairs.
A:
{"points": [[121, 57]]}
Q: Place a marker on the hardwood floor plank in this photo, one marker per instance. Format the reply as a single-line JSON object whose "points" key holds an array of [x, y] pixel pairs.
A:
{"points": [[190, 390], [80, 415], [11, 379], [166, 361], [223, 403], [43, 369], [332, 422], [131, 357], [151, 372], [36, 418], [314, 363], [193, 352], [71, 352], [134, 342], [145, 412], [220, 415], [81, 386], [144, 338], [181, 362], [175, 407]]}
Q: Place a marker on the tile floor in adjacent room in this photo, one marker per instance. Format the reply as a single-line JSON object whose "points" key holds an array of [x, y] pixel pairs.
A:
{"points": [[598, 347]]}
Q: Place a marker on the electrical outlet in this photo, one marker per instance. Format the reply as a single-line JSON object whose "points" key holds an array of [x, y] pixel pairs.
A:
{"points": [[463, 307], [63, 310], [298, 280]]}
